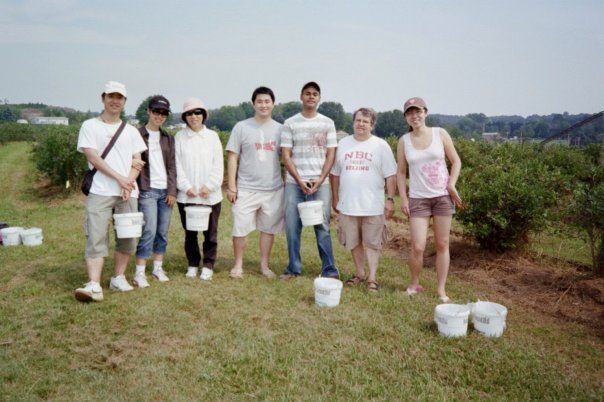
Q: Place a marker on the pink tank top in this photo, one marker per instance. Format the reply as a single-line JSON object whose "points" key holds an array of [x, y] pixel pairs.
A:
{"points": [[428, 175]]}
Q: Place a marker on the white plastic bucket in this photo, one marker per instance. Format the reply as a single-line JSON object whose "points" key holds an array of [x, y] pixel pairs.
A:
{"points": [[32, 237], [327, 292], [198, 218], [452, 319], [489, 318], [11, 236], [311, 212], [128, 225]]}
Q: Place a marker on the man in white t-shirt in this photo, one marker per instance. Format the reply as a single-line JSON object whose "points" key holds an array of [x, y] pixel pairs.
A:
{"points": [[255, 185], [113, 189], [308, 145], [363, 163]]}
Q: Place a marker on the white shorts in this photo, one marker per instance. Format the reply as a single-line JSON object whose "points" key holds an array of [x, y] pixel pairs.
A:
{"points": [[262, 210]]}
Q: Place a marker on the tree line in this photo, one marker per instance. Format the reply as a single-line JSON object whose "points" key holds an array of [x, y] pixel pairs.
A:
{"points": [[389, 123]]}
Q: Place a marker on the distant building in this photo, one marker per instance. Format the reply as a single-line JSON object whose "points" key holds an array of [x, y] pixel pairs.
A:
{"points": [[491, 137], [22, 121], [64, 121], [341, 134]]}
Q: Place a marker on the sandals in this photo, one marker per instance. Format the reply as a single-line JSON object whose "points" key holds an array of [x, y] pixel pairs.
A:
{"points": [[414, 289], [444, 299], [373, 286], [236, 273], [355, 280]]}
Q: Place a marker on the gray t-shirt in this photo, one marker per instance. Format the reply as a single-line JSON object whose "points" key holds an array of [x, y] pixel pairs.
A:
{"points": [[258, 147]]}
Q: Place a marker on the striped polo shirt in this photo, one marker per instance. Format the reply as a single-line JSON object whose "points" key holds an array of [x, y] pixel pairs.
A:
{"points": [[309, 140]]}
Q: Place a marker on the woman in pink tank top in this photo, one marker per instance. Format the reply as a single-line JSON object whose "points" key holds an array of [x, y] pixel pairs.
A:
{"points": [[432, 191]]}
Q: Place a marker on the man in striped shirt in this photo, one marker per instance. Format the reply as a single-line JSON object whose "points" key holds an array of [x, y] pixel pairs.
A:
{"points": [[308, 145]]}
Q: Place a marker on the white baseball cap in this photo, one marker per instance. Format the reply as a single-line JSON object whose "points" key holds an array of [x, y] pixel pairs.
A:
{"points": [[115, 87]]}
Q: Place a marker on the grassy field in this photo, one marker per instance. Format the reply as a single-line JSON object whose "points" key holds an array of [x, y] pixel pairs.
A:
{"points": [[255, 338]]}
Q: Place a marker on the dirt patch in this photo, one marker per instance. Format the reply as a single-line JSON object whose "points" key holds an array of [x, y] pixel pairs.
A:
{"points": [[558, 289]]}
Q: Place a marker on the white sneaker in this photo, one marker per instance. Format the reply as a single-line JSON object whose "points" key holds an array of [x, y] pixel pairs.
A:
{"points": [[161, 276], [120, 283], [140, 280], [206, 274], [91, 291], [191, 272]]}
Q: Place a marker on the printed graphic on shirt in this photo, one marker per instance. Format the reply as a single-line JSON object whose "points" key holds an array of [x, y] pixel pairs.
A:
{"points": [[267, 146], [320, 138], [358, 160], [435, 173]]}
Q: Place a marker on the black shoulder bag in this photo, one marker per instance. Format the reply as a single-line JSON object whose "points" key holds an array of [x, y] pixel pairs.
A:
{"points": [[89, 174]]}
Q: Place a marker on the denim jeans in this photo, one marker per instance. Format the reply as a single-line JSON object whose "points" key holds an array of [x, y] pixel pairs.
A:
{"points": [[293, 229], [157, 216]]}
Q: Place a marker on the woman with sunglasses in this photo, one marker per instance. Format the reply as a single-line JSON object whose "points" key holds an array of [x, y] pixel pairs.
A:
{"points": [[157, 184], [432, 191], [200, 171]]}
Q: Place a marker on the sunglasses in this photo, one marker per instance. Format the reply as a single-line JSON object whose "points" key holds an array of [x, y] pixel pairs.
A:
{"points": [[196, 112], [161, 112]]}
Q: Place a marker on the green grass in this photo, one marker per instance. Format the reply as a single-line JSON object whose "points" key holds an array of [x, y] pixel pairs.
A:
{"points": [[255, 338]]}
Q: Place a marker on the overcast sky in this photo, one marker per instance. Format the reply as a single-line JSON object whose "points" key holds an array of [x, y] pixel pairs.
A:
{"points": [[496, 57]]}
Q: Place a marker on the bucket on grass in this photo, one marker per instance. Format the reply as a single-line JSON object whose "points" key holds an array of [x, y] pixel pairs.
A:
{"points": [[311, 212], [32, 237], [489, 318], [198, 218], [128, 225], [327, 292], [452, 319], [11, 236]]}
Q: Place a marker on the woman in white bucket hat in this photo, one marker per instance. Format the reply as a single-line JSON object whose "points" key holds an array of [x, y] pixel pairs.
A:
{"points": [[199, 172]]}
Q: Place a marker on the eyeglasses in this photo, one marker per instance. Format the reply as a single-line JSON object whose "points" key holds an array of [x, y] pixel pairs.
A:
{"points": [[161, 112], [196, 112]]}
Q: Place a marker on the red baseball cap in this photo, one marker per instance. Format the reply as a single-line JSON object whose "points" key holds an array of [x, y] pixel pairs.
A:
{"points": [[414, 102]]}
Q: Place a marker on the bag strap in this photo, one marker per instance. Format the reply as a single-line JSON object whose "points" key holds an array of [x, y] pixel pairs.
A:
{"points": [[112, 142]]}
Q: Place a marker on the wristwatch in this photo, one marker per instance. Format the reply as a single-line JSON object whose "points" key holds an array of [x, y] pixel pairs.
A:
{"points": [[390, 199]]}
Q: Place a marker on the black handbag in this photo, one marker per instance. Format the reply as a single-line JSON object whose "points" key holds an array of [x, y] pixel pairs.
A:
{"points": [[89, 174]]}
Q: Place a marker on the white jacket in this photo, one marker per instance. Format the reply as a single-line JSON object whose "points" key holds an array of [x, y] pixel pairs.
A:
{"points": [[199, 162]]}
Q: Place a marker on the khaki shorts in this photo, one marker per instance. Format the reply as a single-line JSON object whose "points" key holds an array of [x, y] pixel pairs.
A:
{"points": [[437, 206], [99, 213], [371, 230], [262, 210]]}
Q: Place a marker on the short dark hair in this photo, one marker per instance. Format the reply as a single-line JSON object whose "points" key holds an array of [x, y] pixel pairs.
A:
{"points": [[263, 91], [311, 84], [104, 94]]}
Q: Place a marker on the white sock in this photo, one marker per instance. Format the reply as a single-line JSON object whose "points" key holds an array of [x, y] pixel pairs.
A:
{"points": [[157, 265], [140, 270]]}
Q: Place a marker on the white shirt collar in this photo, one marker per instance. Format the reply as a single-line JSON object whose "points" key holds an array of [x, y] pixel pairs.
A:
{"points": [[191, 133]]}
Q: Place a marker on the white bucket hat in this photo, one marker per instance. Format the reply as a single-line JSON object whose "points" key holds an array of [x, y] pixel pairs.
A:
{"points": [[192, 104]]}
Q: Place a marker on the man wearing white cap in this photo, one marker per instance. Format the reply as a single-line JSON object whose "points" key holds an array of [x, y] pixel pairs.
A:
{"points": [[113, 188]]}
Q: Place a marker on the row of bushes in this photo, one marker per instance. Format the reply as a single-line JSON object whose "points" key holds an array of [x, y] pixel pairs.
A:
{"points": [[55, 155], [510, 191], [17, 132]]}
